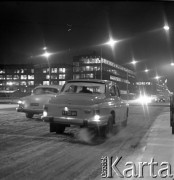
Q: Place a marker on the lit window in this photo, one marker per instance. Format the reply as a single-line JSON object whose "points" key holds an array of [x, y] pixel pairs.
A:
{"points": [[9, 83], [22, 70], [61, 83], [53, 76], [23, 83], [47, 76], [23, 76], [76, 76], [61, 70], [89, 75], [2, 77], [2, 71], [16, 77], [45, 70], [89, 68], [17, 71], [9, 76], [30, 83], [61, 76], [32, 70], [16, 83], [30, 76], [54, 70], [45, 82]]}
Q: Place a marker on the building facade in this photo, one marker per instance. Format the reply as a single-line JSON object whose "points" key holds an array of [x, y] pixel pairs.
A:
{"points": [[25, 77], [59, 73], [13, 77], [92, 67]]}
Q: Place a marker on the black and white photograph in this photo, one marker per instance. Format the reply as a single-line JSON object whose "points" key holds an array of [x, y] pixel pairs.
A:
{"points": [[86, 90]]}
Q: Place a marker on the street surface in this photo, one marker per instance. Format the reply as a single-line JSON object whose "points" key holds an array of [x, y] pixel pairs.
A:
{"points": [[29, 151]]}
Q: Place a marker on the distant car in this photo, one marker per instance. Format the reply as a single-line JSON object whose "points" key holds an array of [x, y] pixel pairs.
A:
{"points": [[86, 103], [160, 99], [33, 104]]}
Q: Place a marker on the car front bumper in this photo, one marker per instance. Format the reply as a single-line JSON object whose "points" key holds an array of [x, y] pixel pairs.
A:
{"points": [[33, 111], [74, 121]]}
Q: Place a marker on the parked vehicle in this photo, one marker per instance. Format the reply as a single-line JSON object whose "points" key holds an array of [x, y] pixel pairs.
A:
{"points": [[33, 104], [86, 103]]}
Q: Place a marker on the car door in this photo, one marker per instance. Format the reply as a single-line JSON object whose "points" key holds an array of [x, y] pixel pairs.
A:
{"points": [[116, 102], [122, 105]]}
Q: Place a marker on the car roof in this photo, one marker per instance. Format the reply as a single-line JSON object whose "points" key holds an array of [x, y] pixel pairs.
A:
{"points": [[90, 80], [49, 86]]}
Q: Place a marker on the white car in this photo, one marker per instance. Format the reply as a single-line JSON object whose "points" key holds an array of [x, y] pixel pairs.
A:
{"points": [[33, 104], [86, 103]]}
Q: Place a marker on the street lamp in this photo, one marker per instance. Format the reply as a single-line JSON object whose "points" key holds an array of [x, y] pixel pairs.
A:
{"points": [[134, 62], [157, 77], [47, 55], [111, 43], [146, 70], [166, 27], [172, 64]]}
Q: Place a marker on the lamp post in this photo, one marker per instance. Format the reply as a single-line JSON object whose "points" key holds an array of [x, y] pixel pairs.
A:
{"points": [[47, 55], [127, 87], [111, 43]]}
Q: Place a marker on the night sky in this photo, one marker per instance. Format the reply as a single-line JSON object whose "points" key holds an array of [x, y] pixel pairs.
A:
{"points": [[81, 27]]}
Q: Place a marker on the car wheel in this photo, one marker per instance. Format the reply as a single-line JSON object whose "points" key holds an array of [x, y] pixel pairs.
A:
{"points": [[29, 115], [60, 128], [52, 127], [104, 131]]}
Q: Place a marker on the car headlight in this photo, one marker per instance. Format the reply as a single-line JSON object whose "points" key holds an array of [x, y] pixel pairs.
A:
{"points": [[96, 117], [45, 111], [20, 102]]}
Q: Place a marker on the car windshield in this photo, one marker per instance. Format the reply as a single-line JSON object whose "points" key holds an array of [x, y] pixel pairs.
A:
{"points": [[44, 90], [84, 87]]}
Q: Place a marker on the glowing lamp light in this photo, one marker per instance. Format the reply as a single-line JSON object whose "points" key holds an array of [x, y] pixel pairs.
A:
{"points": [[66, 109], [46, 54], [144, 99], [45, 113], [134, 62], [111, 42], [20, 102], [166, 27], [172, 64], [146, 70], [97, 117], [157, 77], [10, 83]]}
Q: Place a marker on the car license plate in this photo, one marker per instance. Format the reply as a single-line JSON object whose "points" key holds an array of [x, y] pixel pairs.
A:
{"points": [[69, 113], [34, 104]]}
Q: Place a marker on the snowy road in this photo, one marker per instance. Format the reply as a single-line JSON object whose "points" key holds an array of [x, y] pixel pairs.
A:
{"points": [[29, 151]]}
